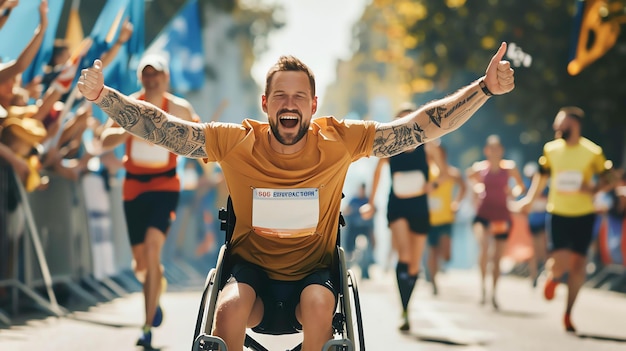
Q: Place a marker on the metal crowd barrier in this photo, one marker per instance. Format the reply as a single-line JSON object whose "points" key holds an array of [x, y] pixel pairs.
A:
{"points": [[610, 254], [18, 263]]}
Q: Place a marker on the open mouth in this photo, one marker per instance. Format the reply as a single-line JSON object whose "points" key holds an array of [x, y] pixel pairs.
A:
{"points": [[289, 121]]}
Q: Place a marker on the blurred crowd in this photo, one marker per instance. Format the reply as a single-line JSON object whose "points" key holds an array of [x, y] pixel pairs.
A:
{"points": [[50, 133]]}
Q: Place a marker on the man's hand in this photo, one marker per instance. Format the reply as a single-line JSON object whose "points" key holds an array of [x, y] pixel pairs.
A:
{"points": [[8, 4], [91, 81], [499, 77], [126, 32]]}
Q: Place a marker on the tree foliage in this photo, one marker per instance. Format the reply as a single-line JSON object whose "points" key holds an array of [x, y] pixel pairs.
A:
{"points": [[443, 39]]}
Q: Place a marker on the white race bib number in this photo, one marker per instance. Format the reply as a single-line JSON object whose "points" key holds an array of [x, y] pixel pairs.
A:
{"points": [[408, 184], [568, 181], [285, 213], [148, 155]]}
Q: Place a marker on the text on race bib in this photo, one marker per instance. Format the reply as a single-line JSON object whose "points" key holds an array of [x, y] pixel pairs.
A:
{"points": [[285, 213]]}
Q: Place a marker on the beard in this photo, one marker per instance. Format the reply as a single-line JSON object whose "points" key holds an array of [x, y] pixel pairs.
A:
{"points": [[304, 127]]}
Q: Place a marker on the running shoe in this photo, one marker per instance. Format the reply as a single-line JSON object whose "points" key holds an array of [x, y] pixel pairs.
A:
{"points": [[145, 340], [549, 288], [405, 326], [494, 303], [567, 321]]}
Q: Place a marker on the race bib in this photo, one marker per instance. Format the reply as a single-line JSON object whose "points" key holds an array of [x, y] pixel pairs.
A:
{"points": [[568, 181], [499, 227], [408, 184], [434, 203], [285, 213], [145, 154]]}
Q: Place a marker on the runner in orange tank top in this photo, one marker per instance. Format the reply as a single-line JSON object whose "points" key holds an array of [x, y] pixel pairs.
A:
{"points": [[151, 188]]}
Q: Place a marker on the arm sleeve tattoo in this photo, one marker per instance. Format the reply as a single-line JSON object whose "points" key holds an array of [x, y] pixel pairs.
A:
{"points": [[431, 121], [154, 125]]}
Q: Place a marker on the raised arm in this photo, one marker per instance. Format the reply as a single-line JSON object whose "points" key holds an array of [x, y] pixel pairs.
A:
{"points": [[25, 58], [442, 116], [141, 118]]}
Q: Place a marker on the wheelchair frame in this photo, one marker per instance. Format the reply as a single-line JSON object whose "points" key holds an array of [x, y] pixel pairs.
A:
{"points": [[347, 322]]}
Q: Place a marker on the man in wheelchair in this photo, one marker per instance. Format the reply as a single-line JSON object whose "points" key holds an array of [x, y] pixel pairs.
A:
{"points": [[285, 178]]}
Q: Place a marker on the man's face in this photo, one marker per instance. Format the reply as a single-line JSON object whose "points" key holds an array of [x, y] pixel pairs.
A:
{"points": [[494, 151], [563, 126], [289, 106], [152, 80]]}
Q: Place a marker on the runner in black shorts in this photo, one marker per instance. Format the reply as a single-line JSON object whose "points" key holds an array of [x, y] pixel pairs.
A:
{"points": [[407, 213], [569, 162]]}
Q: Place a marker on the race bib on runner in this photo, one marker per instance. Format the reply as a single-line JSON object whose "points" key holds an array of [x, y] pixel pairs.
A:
{"points": [[408, 184], [568, 181], [499, 227], [285, 213], [434, 203], [145, 154]]}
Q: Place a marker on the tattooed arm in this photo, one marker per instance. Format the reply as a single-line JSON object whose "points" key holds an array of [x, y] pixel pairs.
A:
{"points": [[143, 119], [440, 117]]}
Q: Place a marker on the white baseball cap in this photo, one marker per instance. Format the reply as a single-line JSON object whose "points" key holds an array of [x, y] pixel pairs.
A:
{"points": [[157, 62]]}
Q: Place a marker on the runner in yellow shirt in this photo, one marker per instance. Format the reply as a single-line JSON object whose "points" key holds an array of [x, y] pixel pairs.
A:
{"points": [[443, 202], [570, 162]]}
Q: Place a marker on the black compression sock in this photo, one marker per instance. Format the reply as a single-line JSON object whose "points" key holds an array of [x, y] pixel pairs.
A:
{"points": [[406, 283]]}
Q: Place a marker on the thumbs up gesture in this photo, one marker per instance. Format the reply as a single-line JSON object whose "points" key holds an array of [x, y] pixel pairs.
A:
{"points": [[499, 77], [91, 81]]}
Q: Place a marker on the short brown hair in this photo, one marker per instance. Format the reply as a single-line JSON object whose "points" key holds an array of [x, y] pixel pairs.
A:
{"points": [[289, 63], [573, 111]]}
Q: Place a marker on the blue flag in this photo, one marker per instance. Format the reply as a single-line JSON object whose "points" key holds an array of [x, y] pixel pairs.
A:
{"points": [[105, 30], [181, 42], [20, 28], [120, 74]]}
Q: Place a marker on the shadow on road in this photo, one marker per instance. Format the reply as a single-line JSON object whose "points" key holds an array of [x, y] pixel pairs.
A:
{"points": [[601, 337], [93, 318], [519, 313]]}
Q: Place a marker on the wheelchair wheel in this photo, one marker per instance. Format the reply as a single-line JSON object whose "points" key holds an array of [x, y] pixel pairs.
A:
{"points": [[354, 320], [206, 312], [351, 307]]}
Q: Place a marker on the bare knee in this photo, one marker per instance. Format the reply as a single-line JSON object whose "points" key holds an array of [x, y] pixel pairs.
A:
{"points": [[237, 307], [317, 305]]}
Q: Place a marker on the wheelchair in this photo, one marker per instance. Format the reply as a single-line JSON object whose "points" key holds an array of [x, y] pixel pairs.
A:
{"points": [[347, 324]]}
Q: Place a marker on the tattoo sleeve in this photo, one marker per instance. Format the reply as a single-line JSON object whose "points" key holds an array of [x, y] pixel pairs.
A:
{"points": [[429, 122], [154, 125]]}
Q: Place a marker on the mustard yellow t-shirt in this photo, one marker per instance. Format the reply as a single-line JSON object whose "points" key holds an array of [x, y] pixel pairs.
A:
{"points": [[570, 167], [287, 206], [440, 199]]}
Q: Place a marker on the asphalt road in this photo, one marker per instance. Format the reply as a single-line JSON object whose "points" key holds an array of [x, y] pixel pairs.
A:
{"points": [[453, 320]]}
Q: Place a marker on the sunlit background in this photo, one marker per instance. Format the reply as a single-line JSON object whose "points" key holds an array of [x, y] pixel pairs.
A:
{"points": [[369, 56]]}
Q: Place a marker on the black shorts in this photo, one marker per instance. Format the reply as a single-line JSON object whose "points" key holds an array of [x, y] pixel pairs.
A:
{"points": [[280, 298], [437, 231], [414, 210], [570, 233], [151, 209], [500, 235]]}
